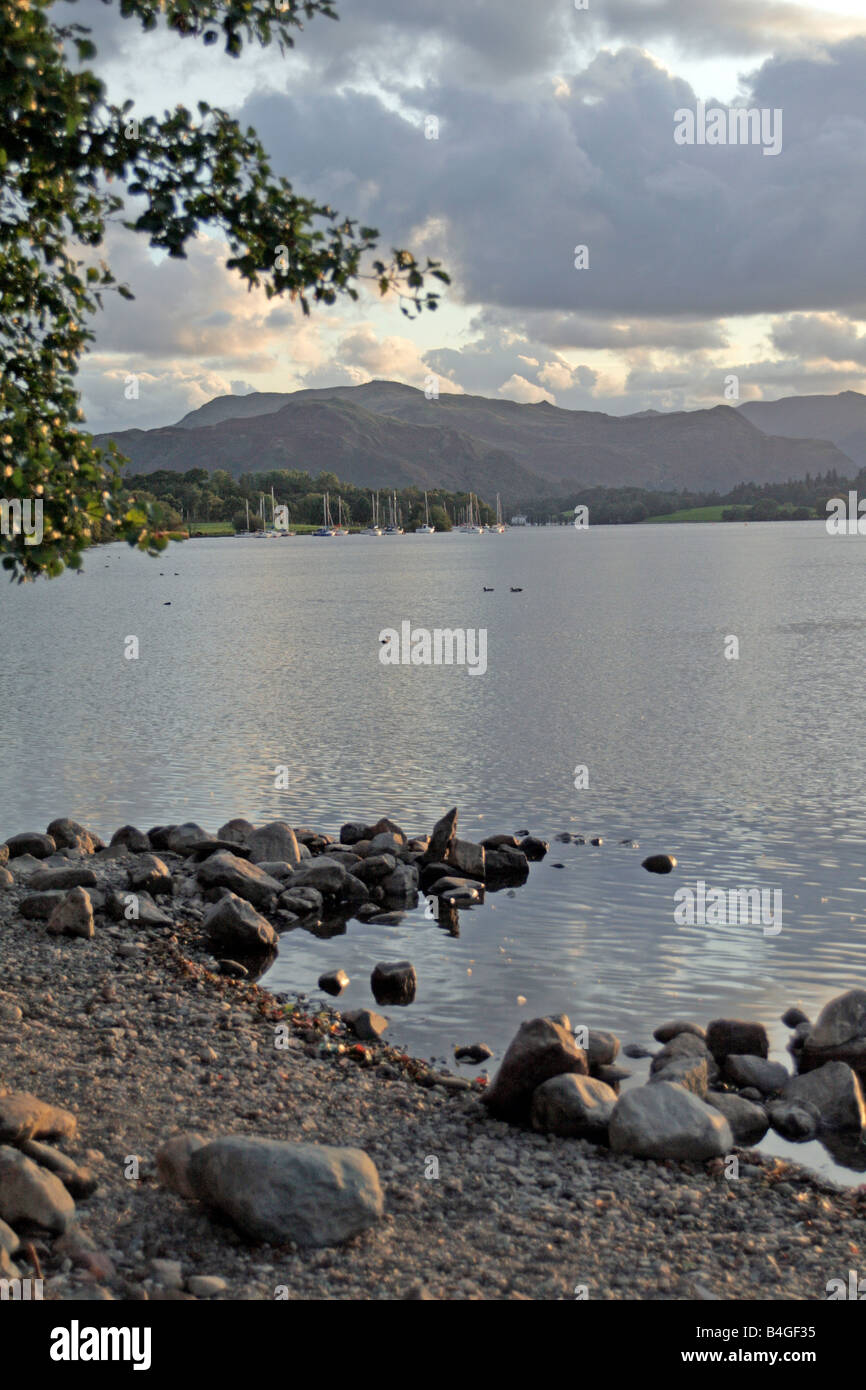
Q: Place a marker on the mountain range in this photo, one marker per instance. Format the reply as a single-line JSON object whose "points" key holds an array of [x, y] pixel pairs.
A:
{"points": [[385, 434]]}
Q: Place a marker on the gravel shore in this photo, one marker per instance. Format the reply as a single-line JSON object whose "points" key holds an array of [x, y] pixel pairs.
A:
{"points": [[134, 1033]]}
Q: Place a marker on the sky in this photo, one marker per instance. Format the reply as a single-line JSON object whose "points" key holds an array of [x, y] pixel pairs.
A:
{"points": [[713, 273]]}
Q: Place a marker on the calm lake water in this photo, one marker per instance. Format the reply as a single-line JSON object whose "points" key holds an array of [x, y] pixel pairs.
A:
{"points": [[750, 771]]}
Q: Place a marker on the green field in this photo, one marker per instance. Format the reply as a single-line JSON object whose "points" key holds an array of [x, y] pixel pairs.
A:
{"points": [[691, 514]]}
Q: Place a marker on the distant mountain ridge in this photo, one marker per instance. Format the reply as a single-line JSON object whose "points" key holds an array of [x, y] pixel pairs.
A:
{"points": [[840, 418], [384, 433]]}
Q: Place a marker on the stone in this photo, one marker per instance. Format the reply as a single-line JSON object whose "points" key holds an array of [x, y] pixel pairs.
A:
{"points": [[733, 1035], [474, 1053], [135, 840], [78, 1181], [839, 1033], [149, 874], [387, 827], [574, 1107], [135, 907], [533, 848], [31, 1194], [401, 886], [601, 1047], [352, 832], [365, 1024], [233, 969], [684, 1046], [276, 840], [32, 843], [324, 874], [375, 868], [304, 901], [40, 905], [766, 1077], [68, 834], [506, 865], [659, 863], [48, 880], [611, 1075], [7, 880], [23, 1116], [73, 916], [4, 854], [394, 982], [689, 1072], [334, 981], [443, 834], [280, 869], [246, 880], [795, 1120], [748, 1122], [504, 842], [172, 1162], [792, 1017], [181, 839], [467, 858], [167, 1273], [539, 1050], [313, 1194], [385, 843], [462, 892], [233, 924], [665, 1121], [835, 1093], [206, 1285], [9, 1241], [236, 830], [666, 1032]]}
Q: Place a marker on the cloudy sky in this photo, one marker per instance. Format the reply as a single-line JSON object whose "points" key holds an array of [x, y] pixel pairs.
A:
{"points": [[555, 129]]}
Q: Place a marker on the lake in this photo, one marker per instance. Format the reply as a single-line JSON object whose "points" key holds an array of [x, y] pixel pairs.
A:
{"points": [[613, 658]]}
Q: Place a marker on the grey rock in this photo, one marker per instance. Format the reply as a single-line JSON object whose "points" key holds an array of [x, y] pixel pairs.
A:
{"points": [[23, 1116], [7, 880], [303, 901], [78, 1181], [748, 1122], [172, 1162], [766, 1077], [601, 1048], [312, 1194], [47, 880], [276, 840], [233, 924], [394, 982], [577, 1107], [463, 892], [135, 840], [401, 886], [334, 981], [665, 1121], [835, 1093], [734, 1035], [534, 848], [206, 1285], [31, 1194], [473, 1053], [443, 834], [323, 874], [9, 1241], [68, 834], [505, 865], [666, 1032], [791, 1017], [40, 905], [365, 1024], [182, 839], [375, 868], [352, 832], [839, 1033], [73, 916], [149, 874], [689, 1072], [237, 830], [539, 1050], [796, 1120], [467, 858], [246, 880], [32, 843], [659, 863]]}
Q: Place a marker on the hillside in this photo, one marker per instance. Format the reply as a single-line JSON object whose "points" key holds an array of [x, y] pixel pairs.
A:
{"points": [[387, 434], [840, 419]]}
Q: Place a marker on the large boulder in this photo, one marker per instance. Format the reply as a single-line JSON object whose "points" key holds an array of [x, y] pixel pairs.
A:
{"points": [[506, 866], [834, 1091], [734, 1035], [234, 926], [276, 840], [182, 839], [237, 830], [467, 858], [73, 876], [665, 1121], [575, 1107], [690, 1072], [172, 1161], [839, 1035], [686, 1054], [401, 885], [135, 840], [324, 874], [666, 1032], [748, 1122], [539, 1050], [68, 834], [23, 1116], [312, 1194], [150, 874], [374, 869], [40, 905], [225, 870], [443, 834], [31, 1194]]}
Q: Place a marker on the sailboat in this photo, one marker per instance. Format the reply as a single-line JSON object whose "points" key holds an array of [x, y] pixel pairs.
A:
{"points": [[340, 529], [498, 526], [327, 528], [426, 529], [374, 529], [394, 528], [472, 526]]}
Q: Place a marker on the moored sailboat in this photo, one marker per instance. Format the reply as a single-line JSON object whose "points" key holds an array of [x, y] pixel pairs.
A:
{"points": [[426, 529]]}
